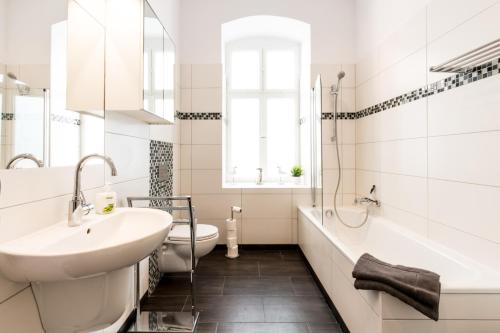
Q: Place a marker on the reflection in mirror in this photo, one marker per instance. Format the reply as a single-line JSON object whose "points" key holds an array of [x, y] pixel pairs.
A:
{"points": [[169, 77], [154, 62], [36, 119]]}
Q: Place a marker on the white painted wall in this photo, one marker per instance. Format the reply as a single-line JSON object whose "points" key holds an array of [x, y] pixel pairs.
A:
{"points": [[3, 30], [28, 33], [332, 26]]}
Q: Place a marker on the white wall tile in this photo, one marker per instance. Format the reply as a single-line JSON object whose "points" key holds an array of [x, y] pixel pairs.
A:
{"points": [[347, 100], [221, 226], [267, 206], [206, 156], [469, 158], [406, 40], [365, 180], [185, 182], [206, 132], [442, 19], [118, 123], [477, 31], [130, 155], [209, 181], [9, 288], [403, 122], [470, 208], [28, 185], [405, 219], [185, 157], [186, 76], [349, 80], [185, 126], [368, 156], [470, 108], [474, 247], [206, 100], [206, 75], [166, 133], [405, 76], [407, 157], [186, 100], [328, 74], [405, 192], [277, 231], [215, 206]]}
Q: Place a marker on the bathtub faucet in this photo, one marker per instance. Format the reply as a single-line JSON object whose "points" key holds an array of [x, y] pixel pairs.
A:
{"points": [[370, 201]]}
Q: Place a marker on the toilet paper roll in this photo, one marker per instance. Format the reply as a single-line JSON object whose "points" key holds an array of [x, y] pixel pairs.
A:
{"points": [[231, 225], [232, 242]]}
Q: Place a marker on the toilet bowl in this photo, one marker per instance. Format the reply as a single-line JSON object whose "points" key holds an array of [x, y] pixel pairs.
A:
{"points": [[175, 253]]}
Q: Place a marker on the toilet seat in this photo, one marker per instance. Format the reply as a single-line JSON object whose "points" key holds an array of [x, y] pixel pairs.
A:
{"points": [[182, 233]]}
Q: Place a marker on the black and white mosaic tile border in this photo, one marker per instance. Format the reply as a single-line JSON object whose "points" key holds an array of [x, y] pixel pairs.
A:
{"points": [[199, 115], [340, 115], [161, 157], [8, 116], [458, 80], [65, 120]]}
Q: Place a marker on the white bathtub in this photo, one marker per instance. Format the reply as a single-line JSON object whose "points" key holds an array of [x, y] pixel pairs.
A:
{"points": [[470, 292]]}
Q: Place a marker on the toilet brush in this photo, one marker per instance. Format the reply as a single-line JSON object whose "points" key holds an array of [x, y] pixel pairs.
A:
{"points": [[232, 234]]}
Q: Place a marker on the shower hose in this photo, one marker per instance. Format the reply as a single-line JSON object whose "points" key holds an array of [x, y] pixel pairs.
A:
{"points": [[335, 95]]}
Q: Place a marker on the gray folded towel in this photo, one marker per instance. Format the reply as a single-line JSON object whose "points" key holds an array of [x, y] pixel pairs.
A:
{"points": [[416, 287]]}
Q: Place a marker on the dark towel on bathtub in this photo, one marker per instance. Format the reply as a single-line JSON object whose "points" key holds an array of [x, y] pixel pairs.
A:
{"points": [[416, 287]]}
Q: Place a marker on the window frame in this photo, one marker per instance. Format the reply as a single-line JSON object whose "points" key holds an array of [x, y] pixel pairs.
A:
{"points": [[262, 45]]}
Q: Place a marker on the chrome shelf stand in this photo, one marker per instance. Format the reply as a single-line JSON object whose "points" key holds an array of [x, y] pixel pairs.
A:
{"points": [[471, 59], [178, 322]]}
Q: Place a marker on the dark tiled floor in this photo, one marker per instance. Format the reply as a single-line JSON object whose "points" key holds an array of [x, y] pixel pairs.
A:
{"points": [[260, 292]]}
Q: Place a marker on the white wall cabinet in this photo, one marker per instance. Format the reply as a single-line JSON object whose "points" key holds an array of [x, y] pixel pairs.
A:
{"points": [[140, 61]]}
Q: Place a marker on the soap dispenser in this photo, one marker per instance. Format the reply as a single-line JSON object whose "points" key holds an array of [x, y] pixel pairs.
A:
{"points": [[105, 202]]}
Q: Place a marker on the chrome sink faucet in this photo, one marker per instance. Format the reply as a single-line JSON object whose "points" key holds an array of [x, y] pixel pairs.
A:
{"points": [[78, 205], [14, 160]]}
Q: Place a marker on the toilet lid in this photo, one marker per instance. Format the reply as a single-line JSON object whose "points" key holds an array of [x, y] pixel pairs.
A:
{"points": [[183, 233]]}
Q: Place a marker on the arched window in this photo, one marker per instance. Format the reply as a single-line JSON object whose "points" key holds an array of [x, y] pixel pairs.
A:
{"points": [[266, 85]]}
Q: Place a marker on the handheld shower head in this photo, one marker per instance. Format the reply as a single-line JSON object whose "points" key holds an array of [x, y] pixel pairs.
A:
{"points": [[335, 88], [22, 87]]}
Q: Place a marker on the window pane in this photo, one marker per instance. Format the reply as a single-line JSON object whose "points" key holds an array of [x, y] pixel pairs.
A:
{"points": [[28, 127], [245, 70], [244, 137], [281, 69], [281, 135]]}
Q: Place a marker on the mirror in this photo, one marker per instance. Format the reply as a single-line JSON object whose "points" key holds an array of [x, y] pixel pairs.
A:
{"points": [[154, 62], [159, 66], [51, 101]]}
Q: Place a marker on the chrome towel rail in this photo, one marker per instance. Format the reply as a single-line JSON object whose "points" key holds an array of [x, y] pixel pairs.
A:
{"points": [[471, 59]]}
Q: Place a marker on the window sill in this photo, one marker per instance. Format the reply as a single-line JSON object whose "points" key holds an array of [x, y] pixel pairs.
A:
{"points": [[264, 185]]}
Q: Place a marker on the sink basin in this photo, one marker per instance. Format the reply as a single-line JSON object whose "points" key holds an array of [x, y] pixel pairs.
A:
{"points": [[103, 243]]}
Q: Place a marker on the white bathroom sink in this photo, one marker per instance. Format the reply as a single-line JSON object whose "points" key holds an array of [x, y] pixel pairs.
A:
{"points": [[103, 243]]}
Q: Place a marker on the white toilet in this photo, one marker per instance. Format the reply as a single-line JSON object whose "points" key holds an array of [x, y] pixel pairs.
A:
{"points": [[175, 253]]}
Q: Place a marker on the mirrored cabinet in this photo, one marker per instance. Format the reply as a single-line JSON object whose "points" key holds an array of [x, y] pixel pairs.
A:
{"points": [[140, 63]]}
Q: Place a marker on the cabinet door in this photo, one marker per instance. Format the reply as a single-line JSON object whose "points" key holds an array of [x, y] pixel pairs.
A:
{"points": [[154, 62], [169, 78]]}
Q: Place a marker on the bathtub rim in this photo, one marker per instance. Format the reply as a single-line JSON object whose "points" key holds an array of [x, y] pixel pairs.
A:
{"points": [[488, 286]]}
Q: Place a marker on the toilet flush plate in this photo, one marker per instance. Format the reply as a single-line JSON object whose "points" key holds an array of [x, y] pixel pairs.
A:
{"points": [[179, 322]]}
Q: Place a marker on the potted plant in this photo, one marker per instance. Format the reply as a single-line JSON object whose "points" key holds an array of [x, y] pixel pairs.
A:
{"points": [[297, 173]]}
